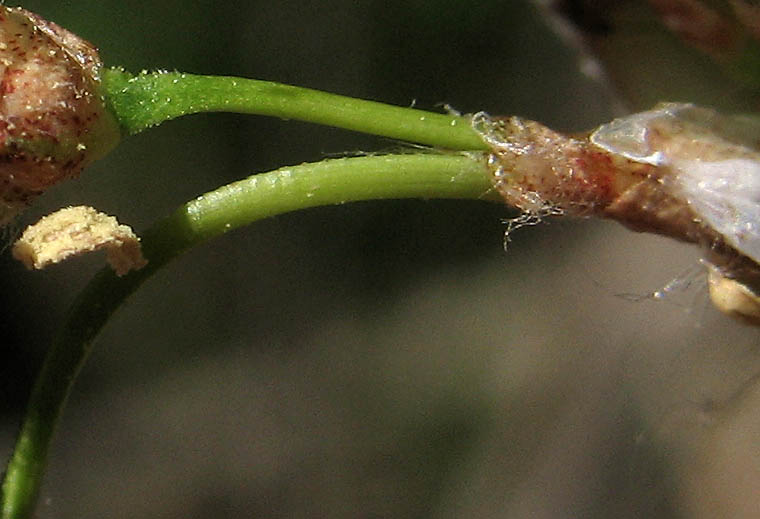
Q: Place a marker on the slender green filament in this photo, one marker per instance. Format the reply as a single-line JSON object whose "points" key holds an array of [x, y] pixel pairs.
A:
{"points": [[151, 98], [452, 175]]}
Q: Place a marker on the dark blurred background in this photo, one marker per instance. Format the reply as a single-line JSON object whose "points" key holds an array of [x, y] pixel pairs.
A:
{"points": [[383, 359]]}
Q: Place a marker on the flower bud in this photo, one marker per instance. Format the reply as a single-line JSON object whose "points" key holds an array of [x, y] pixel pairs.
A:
{"points": [[53, 117]]}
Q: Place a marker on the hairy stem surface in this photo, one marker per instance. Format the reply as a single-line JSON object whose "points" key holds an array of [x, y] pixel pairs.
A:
{"points": [[148, 99]]}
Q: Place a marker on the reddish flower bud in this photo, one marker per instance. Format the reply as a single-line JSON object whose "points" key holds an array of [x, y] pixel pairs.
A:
{"points": [[53, 117]]}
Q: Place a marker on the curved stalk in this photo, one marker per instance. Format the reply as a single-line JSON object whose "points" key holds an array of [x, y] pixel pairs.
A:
{"points": [[257, 197], [147, 99]]}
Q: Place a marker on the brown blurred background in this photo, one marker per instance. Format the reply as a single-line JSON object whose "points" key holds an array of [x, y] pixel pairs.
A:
{"points": [[379, 359]]}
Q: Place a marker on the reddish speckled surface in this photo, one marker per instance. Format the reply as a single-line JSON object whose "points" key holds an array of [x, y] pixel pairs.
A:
{"points": [[51, 114]]}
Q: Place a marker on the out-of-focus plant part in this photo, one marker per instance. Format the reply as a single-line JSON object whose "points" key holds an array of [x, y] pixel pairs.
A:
{"points": [[733, 297], [706, 52], [53, 119]]}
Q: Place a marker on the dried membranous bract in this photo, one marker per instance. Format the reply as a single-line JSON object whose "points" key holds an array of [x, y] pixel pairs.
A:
{"points": [[78, 230], [679, 170], [53, 118]]}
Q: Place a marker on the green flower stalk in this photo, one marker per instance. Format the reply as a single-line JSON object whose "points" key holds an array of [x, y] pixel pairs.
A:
{"points": [[150, 98], [453, 175]]}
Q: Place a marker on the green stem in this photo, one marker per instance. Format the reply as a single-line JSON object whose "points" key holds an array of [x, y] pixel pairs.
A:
{"points": [[260, 196], [149, 99]]}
